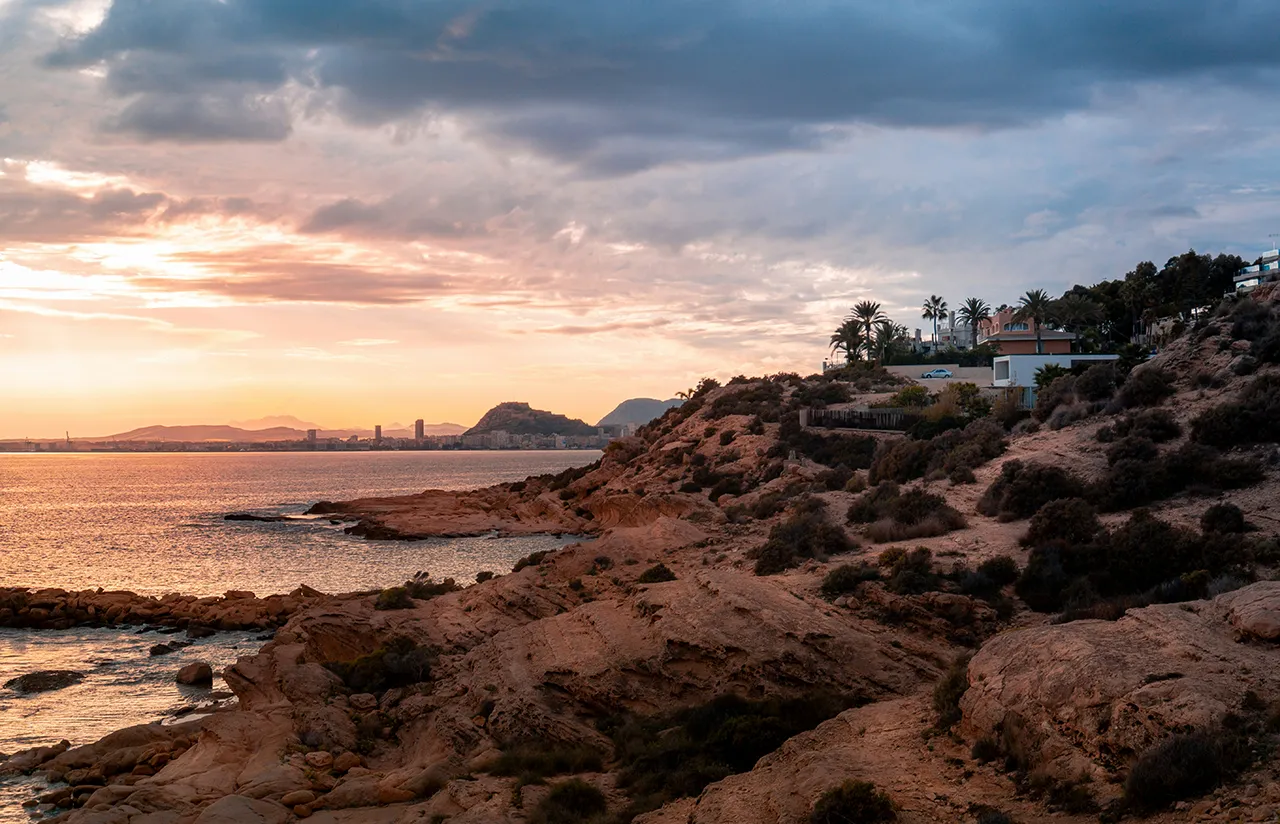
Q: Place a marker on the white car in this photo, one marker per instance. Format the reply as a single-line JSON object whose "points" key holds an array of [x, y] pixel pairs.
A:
{"points": [[937, 373]]}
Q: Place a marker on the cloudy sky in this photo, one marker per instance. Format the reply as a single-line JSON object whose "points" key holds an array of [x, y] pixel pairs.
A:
{"points": [[359, 211]]}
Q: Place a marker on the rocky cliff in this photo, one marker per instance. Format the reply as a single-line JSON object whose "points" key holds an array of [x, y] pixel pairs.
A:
{"points": [[1068, 620]]}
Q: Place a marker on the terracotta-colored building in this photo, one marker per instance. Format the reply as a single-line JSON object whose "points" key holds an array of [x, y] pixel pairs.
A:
{"points": [[1018, 337]]}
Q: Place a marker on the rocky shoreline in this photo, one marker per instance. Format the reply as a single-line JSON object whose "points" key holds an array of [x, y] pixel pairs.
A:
{"points": [[59, 609], [761, 621]]}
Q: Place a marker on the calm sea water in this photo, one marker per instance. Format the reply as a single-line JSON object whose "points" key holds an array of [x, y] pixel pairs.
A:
{"points": [[154, 524]]}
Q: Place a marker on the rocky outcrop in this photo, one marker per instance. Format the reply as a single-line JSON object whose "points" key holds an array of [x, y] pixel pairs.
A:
{"points": [[198, 674], [60, 609], [1087, 696], [44, 681]]}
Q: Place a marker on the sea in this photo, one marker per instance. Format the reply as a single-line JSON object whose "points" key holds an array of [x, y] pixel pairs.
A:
{"points": [[155, 523]]}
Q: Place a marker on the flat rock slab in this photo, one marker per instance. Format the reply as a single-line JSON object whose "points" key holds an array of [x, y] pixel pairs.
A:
{"points": [[44, 681]]}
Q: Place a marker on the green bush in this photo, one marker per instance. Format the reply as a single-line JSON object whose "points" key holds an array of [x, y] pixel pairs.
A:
{"points": [[422, 588], [1248, 420], [1227, 518], [1145, 386], [483, 575], [801, 536], [656, 574], [571, 802], [1132, 448], [727, 485], [393, 598], [948, 692], [727, 436], [898, 516], [1023, 488], [533, 762], [952, 451], [1181, 766], [1156, 425], [1097, 383], [1073, 520], [853, 451], [676, 755], [853, 802], [763, 399], [1132, 482], [1001, 571], [909, 573], [1060, 392], [400, 663], [846, 578]]}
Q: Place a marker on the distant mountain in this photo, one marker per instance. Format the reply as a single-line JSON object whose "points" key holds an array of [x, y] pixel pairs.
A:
{"points": [[638, 411], [192, 434], [277, 421], [522, 419]]}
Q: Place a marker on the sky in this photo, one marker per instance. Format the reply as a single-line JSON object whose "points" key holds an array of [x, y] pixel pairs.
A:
{"points": [[360, 211]]}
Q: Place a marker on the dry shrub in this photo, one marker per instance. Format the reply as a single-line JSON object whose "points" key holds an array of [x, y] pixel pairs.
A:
{"points": [[1146, 386], [1023, 488]]}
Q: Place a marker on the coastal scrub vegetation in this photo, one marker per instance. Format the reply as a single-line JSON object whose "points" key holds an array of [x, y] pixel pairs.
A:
{"points": [[420, 587], [1078, 566], [892, 515], [662, 758], [571, 802], [401, 662], [656, 574], [533, 762], [1247, 420], [1183, 766], [1024, 487], [803, 535], [948, 692], [853, 801], [949, 453]]}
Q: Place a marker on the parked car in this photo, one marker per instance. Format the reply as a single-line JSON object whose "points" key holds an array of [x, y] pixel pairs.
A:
{"points": [[937, 373]]}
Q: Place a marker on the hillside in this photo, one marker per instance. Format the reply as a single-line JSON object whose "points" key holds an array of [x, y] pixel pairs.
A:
{"points": [[638, 411], [521, 419]]}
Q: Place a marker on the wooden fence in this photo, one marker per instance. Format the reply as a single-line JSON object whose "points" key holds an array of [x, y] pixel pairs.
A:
{"points": [[891, 420]]}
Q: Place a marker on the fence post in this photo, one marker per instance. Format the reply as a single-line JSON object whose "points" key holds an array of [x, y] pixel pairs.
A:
{"points": [[804, 417]]}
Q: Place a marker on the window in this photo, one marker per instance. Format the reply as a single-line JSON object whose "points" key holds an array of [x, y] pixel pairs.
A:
{"points": [[1019, 326]]}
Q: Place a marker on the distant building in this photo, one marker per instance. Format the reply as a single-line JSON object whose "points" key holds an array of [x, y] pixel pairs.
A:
{"points": [[1018, 337], [312, 435], [1264, 271], [419, 429], [377, 433], [1019, 371]]}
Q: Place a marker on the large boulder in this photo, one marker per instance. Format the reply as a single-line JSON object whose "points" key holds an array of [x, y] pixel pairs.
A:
{"points": [[198, 674], [1090, 695]]}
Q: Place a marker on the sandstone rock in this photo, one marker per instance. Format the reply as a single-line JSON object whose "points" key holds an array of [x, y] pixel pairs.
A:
{"points": [[302, 811], [196, 674], [321, 760], [236, 809], [1080, 693], [361, 791], [279, 779], [27, 760], [363, 701], [44, 681], [162, 649], [298, 797], [1255, 612], [346, 761]]}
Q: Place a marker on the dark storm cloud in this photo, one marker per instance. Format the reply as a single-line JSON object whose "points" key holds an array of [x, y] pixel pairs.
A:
{"points": [[621, 86], [204, 118]]}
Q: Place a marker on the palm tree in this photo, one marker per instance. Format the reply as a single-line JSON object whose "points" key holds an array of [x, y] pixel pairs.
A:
{"points": [[972, 312], [848, 339], [888, 339], [868, 314], [1035, 306], [935, 309], [1076, 312]]}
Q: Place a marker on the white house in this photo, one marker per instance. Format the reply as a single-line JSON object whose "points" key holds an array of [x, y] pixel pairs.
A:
{"points": [[1020, 370]]}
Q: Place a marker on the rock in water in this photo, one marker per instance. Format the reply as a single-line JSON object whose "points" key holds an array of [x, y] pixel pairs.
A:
{"points": [[161, 649], [198, 674], [44, 681]]}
